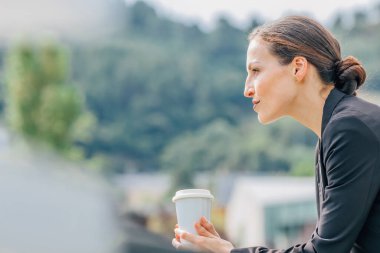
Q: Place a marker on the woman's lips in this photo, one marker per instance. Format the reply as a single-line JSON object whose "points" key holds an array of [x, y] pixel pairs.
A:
{"points": [[255, 102]]}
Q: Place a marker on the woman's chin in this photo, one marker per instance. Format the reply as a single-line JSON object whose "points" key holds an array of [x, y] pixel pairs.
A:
{"points": [[265, 120]]}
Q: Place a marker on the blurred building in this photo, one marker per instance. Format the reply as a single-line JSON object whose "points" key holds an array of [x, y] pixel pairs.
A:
{"points": [[248, 210], [271, 211], [144, 192], [49, 205]]}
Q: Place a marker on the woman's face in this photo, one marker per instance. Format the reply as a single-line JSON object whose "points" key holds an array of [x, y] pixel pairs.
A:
{"points": [[269, 84]]}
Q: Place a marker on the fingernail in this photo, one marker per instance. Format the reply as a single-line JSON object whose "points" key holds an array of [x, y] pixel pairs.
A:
{"points": [[179, 231]]}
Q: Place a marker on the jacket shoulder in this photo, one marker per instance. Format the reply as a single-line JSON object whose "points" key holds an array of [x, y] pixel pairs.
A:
{"points": [[355, 116], [349, 128]]}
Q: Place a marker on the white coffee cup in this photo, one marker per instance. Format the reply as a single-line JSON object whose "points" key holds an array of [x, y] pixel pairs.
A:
{"points": [[191, 205]]}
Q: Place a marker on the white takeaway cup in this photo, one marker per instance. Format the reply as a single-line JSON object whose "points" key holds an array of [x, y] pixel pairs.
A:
{"points": [[191, 205]]}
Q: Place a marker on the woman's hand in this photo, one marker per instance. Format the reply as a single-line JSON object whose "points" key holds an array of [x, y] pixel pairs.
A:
{"points": [[207, 240]]}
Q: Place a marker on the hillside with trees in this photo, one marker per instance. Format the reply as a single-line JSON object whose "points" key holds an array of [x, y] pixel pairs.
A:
{"points": [[168, 96]]}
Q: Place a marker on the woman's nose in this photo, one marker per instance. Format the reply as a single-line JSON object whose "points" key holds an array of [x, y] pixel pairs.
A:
{"points": [[248, 91]]}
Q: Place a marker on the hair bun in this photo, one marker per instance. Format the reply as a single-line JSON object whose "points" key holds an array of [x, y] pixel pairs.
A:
{"points": [[349, 75]]}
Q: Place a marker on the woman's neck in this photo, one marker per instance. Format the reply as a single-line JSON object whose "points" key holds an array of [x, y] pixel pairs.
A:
{"points": [[308, 109]]}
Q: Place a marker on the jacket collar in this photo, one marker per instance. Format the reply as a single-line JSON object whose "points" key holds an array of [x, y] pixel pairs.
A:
{"points": [[331, 102]]}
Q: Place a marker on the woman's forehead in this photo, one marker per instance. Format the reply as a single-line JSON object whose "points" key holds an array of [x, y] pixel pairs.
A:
{"points": [[257, 50]]}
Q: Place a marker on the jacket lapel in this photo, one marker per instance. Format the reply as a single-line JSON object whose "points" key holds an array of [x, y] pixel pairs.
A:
{"points": [[332, 101]]}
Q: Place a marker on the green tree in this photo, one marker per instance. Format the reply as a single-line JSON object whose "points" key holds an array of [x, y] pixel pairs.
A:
{"points": [[360, 19], [338, 23], [158, 84], [281, 148], [41, 104]]}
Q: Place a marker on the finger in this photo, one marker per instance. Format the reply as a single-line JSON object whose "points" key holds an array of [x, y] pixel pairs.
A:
{"points": [[208, 226], [176, 244], [202, 231], [176, 226], [190, 238], [178, 231]]}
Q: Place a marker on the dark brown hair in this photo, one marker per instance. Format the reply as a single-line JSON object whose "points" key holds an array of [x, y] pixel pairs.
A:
{"points": [[302, 36]]}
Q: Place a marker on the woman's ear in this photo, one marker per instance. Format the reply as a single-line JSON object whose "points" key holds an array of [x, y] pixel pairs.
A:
{"points": [[300, 65]]}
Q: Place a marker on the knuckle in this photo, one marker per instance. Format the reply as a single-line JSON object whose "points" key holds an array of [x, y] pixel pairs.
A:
{"points": [[201, 240]]}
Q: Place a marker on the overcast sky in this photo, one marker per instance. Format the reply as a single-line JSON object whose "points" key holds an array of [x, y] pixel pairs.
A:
{"points": [[20, 18], [240, 11]]}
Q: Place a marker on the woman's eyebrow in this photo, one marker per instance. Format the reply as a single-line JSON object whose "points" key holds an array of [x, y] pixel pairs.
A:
{"points": [[250, 64]]}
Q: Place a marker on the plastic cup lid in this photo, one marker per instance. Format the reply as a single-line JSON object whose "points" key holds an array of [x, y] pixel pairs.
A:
{"points": [[192, 193]]}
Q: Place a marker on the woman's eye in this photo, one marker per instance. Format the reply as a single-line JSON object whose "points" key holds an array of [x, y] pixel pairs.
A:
{"points": [[255, 70]]}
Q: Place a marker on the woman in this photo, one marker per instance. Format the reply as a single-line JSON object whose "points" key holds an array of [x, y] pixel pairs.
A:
{"points": [[295, 69]]}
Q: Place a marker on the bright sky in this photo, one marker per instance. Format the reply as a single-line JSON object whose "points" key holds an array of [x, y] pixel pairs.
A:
{"points": [[241, 11]]}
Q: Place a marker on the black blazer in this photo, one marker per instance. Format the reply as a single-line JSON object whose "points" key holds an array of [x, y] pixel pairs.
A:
{"points": [[347, 180]]}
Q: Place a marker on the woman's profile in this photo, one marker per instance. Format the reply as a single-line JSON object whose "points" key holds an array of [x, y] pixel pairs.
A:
{"points": [[295, 68]]}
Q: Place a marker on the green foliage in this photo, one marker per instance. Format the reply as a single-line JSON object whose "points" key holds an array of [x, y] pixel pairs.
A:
{"points": [[161, 91], [278, 148], [59, 107], [360, 39], [164, 95], [302, 169], [206, 149], [145, 93], [40, 103]]}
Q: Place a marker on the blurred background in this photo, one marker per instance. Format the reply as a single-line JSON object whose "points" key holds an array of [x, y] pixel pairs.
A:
{"points": [[108, 107]]}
